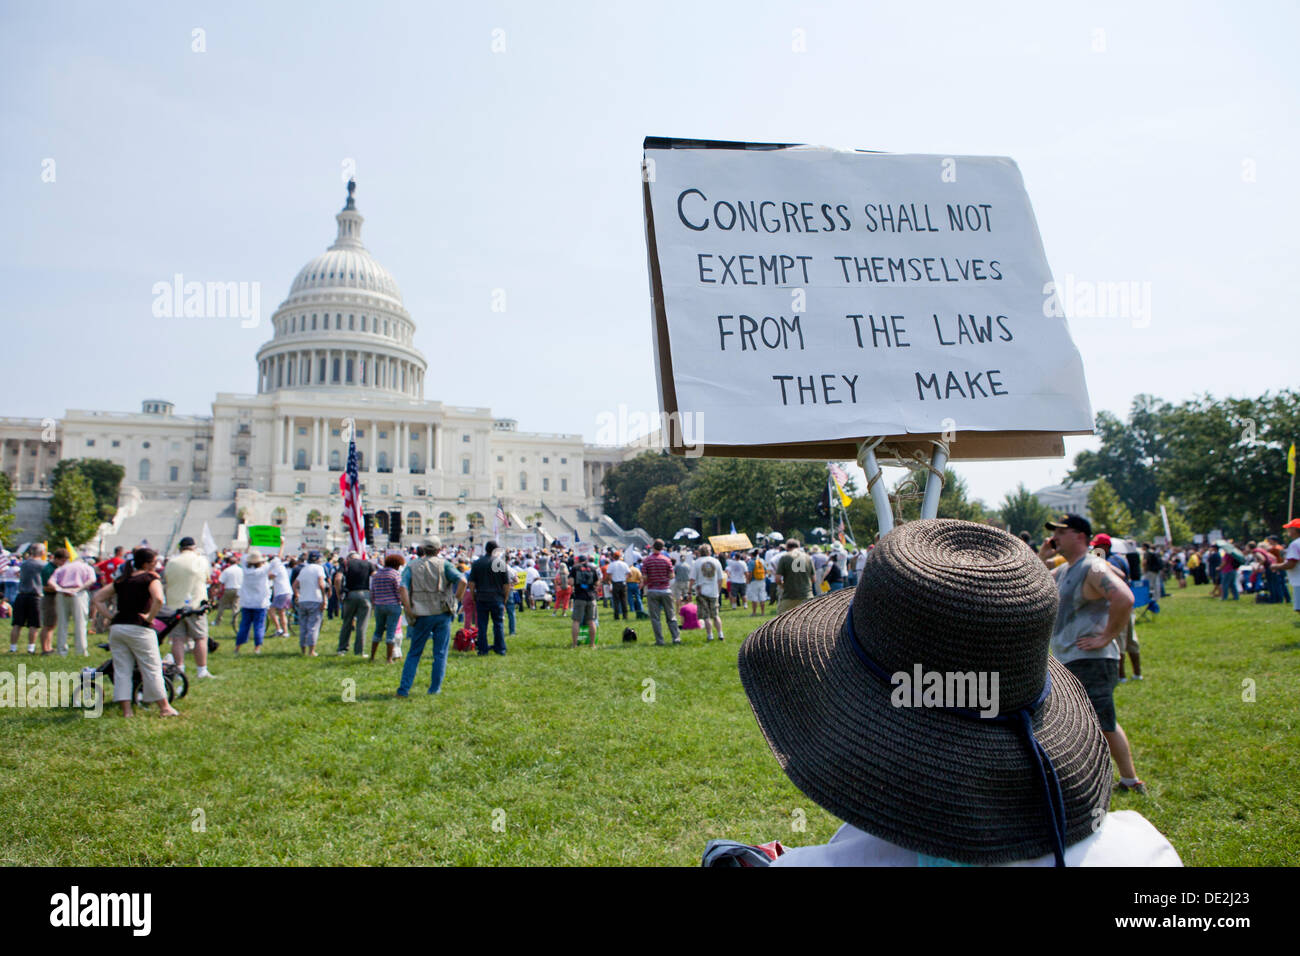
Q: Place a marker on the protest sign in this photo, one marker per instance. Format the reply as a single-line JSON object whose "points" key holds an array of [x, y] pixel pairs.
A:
{"points": [[806, 299], [264, 536], [722, 543]]}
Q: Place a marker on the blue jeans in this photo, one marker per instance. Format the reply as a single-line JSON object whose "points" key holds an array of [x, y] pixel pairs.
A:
{"points": [[510, 614], [634, 598], [309, 614], [386, 617], [437, 626], [254, 618], [11, 591], [1228, 581], [492, 609]]}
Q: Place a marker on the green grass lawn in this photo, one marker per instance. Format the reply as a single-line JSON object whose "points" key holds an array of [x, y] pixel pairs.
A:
{"points": [[554, 756]]}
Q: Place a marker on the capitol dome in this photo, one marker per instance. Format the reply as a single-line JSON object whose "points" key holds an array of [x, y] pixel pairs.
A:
{"points": [[343, 325]]}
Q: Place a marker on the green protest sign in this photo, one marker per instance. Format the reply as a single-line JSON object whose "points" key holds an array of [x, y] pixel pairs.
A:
{"points": [[264, 535]]}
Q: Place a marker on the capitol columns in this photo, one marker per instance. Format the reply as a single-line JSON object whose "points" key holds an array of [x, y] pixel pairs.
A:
{"points": [[429, 464], [371, 463]]}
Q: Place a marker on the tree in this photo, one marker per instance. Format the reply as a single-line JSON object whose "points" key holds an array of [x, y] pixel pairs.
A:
{"points": [[1129, 454], [664, 511], [73, 514], [758, 494], [627, 483], [1153, 527], [105, 479], [1107, 513], [1021, 511], [1227, 461], [8, 502]]}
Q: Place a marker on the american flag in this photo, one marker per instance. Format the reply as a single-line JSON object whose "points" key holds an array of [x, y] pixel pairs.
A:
{"points": [[350, 485], [501, 520]]}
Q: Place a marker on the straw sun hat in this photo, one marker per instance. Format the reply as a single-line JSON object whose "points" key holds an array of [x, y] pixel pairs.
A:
{"points": [[949, 596]]}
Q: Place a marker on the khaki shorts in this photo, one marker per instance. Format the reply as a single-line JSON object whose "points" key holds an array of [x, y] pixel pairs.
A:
{"points": [[584, 612], [49, 609], [1128, 639], [681, 591], [229, 600], [708, 607], [787, 604], [188, 629]]}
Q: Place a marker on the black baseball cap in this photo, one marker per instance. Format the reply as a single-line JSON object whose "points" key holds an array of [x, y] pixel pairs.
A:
{"points": [[186, 542], [1074, 523]]}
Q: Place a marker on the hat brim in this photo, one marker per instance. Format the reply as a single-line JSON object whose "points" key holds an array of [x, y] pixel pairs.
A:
{"points": [[922, 778]]}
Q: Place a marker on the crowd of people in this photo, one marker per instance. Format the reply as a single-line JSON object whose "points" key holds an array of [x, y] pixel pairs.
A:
{"points": [[417, 594]]}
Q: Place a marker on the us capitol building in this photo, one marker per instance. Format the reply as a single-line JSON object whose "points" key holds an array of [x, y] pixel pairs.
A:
{"points": [[341, 357]]}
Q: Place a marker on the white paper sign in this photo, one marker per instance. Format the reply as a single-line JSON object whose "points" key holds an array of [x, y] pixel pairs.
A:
{"points": [[816, 294]]}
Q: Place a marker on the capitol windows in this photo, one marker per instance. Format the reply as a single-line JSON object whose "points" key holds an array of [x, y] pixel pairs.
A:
{"points": [[383, 461], [302, 429], [564, 484], [242, 461], [365, 327], [300, 460], [564, 461], [445, 523], [334, 460], [321, 377], [501, 483], [90, 443], [279, 517], [144, 469], [174, 473], [464, 466], [546, 484], [465, 438], [352, 323], [475, 521], [523, 481], [338, 322], [336, 372], [313, 321], [413, 522]]}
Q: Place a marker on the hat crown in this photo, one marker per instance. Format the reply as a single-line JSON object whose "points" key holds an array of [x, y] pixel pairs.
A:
{"points": [[956, 597]]}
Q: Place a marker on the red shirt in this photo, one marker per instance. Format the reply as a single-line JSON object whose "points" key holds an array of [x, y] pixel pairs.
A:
{"points": [[657, 569]]}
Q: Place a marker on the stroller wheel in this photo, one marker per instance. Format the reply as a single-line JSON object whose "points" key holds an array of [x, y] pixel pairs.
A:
{"points": [[137, 691], [180, 683]]}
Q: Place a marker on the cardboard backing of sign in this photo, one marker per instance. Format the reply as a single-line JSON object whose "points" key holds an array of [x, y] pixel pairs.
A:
{"points": [[962, 445]]}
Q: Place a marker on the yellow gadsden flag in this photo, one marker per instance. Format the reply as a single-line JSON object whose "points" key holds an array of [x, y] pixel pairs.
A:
{"points": [[1290, 460]]}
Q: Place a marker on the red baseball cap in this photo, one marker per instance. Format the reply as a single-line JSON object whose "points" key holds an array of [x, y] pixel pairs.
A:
{"points": [[1293, 523], [1101, 541]]}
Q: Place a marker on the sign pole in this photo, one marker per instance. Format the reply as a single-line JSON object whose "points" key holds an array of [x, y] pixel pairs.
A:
{"points": [[934, 484], [879, 493]]}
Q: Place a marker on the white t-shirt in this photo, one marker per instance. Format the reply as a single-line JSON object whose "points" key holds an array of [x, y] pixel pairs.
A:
{"points": [[736, 571], [1125, 838], [1293, 554], [860, 561], [280, 580], [539, 589], [256, 589], [311, 584], [618, 572], [232, 578], [707, 586]]}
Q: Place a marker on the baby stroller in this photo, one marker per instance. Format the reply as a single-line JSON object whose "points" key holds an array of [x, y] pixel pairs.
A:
{"points": [[175, 683]]}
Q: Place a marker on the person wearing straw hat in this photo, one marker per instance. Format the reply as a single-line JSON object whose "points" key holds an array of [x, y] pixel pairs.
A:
{"points": [[1019, 775], [1095, 608]]}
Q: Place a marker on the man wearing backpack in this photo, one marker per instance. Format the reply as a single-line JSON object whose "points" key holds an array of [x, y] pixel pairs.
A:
{"points": [[430, 592], [586, 584], [706, 575], [794, 577]]}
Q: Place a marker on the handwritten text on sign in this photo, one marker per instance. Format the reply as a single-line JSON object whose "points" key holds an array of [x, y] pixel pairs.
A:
{"points": [[816, 294]]}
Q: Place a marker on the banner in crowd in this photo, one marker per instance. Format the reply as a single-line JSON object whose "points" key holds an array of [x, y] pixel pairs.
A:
{"points": [[831, 295]]}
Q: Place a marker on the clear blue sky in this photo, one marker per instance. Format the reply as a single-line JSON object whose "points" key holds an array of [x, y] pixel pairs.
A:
{"points": [[518, 170]]}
